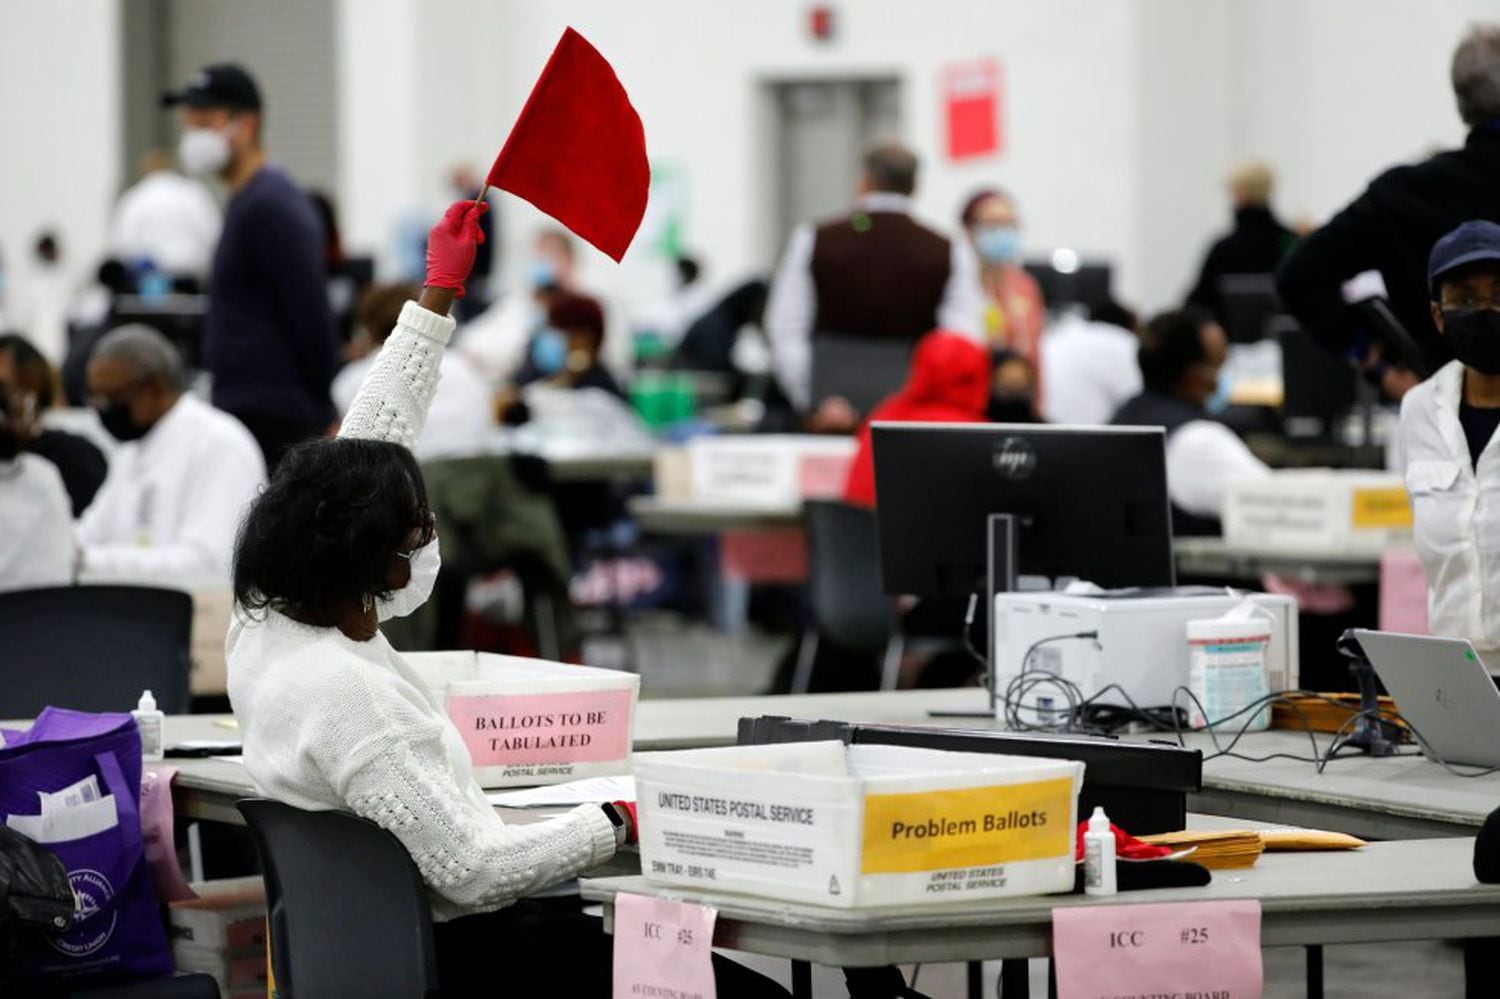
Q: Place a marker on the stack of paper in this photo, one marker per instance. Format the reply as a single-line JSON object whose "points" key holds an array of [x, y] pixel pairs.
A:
{"points": [[1309, 839], [76, 811], [1215, 850]]}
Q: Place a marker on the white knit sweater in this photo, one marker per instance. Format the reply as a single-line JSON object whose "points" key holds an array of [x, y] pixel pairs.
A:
{"points": [[331, 723]]}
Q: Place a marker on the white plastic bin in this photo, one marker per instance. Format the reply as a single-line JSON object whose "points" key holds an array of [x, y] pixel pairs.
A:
{"points": [[1323, 510], [860, 825], [773, 470], [531, 721]]}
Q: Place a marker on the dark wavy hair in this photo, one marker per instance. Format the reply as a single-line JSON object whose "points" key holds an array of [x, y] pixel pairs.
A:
{"points": [[324, 531]]}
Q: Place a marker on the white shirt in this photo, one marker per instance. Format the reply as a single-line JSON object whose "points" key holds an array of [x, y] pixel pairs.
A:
{"points": [[1456, 511], [495, 341], [1203, 458], [461, 420], [36, 525], [169, 219], [172, 502], [792, 304], [328, 722], [1089, 371]]}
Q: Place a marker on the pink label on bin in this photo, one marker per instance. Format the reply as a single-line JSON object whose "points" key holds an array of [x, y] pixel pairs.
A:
{"points": [[1160, 949], [513, 729]]}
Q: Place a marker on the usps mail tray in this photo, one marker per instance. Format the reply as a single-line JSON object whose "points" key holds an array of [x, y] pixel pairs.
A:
{"points": [[531, 721], [861, 825]]}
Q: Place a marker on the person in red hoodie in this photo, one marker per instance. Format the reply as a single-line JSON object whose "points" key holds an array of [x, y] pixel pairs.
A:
{"points": [[949, 383]]}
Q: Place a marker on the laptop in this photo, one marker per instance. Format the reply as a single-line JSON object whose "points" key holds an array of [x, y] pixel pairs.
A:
{"points": [[1442, 687], [861, 369]]}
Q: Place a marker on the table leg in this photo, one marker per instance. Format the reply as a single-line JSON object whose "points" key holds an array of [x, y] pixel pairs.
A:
{"points": [[976, 980], [1315, 971], [1015, 979], [801, 980]]}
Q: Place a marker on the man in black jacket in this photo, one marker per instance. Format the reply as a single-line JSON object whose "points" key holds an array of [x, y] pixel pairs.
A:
{"points": [[1255, 245], [1391, 227], [268, 338]]}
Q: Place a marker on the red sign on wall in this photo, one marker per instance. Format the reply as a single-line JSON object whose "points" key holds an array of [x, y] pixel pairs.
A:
{"points": [[971, 99]]}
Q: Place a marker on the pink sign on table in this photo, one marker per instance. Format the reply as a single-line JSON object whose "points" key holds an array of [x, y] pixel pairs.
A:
{"points": [[512, 729], [663, 948], [1209, 949]]}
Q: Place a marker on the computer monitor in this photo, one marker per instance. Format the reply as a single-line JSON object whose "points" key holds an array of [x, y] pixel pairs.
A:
{"points": [[1317, 387], [1247, 303], [1086, 284], [1090, 502]]}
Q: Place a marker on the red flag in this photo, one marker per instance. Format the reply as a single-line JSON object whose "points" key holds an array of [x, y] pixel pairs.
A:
{"points": [[578, 151]]}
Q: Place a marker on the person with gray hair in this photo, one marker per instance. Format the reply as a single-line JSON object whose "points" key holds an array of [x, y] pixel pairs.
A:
{"points": [[1392, 226], [876, 275], [180, 480]]}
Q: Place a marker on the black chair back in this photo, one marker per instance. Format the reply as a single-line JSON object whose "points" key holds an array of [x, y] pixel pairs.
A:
{"points": [[348, 912], [93, 648], [849, 606]]}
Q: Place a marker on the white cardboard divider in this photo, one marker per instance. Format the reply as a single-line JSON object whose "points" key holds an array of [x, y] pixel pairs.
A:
{"points": [[531, 721], [1318, 509], [854, 826], [773, 470]]}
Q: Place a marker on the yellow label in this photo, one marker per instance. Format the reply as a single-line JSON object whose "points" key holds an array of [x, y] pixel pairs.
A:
{"points": [[967, 827], [1388, 507]]}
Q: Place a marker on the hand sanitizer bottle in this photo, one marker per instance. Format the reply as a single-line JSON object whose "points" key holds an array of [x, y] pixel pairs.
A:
{"points": [[149, 721], [1099, 855]]}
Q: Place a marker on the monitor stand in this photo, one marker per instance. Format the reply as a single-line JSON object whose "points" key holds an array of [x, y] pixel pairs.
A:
{"points": [[1000, 577]]}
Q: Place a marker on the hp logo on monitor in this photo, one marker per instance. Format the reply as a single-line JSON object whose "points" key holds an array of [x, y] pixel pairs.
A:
{"points": [[1015, 458]]}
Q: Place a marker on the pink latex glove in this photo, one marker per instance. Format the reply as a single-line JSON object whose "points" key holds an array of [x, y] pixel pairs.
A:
{"points": [[633, 834], [451, 245]]}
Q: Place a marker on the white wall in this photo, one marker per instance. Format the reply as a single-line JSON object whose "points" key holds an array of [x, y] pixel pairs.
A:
{"points": [[59, 128]]}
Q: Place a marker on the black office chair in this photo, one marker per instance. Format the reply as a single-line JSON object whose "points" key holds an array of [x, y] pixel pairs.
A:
{"points": [[348, 911], [93, 648], [848, 606]]}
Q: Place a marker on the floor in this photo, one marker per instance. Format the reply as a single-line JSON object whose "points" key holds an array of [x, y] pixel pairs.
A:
{"points": [[677, 658]]}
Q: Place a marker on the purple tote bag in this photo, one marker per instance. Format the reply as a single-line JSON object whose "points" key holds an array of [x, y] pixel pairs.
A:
{"points": [[117, 932]]}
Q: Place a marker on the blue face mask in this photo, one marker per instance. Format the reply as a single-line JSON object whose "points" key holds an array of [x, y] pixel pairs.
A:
{"points": [[543, 272], [998, 244], [549, 351], [1219, 401]]}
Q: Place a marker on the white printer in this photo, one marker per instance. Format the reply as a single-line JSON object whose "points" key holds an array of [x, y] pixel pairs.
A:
{"points": [[1141, 644]]}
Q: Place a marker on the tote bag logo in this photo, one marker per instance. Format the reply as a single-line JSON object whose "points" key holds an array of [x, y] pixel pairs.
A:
{"points": [[92, 893]]}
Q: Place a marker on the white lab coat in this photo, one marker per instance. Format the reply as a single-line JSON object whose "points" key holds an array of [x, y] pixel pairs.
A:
{"points": [[1089, 371], [172, 503], [1456, 511], [36, 525], [169, 219]]}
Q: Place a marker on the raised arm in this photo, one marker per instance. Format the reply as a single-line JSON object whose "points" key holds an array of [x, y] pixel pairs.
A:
{"points": [[391, 404]]}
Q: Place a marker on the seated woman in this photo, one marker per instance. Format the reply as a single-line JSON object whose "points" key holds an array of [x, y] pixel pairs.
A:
{"points": [[332, 717]]}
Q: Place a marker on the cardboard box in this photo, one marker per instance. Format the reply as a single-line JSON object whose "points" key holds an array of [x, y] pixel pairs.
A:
{"points": [[771, 470], [227, 915], [862, 825], [530, 721], [1319, 510], [223, 933]]}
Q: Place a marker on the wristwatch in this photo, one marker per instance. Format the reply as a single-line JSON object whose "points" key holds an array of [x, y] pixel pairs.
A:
{"points": [[620, 822]]}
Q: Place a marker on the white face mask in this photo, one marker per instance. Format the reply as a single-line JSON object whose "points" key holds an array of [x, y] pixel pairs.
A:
{"points": [[203, 150], [425, 562]]}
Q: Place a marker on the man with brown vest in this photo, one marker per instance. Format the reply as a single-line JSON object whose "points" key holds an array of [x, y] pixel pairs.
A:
{"points": [[876, 273]]}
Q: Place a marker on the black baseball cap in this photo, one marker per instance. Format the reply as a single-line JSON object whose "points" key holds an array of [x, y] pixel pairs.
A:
{"points": [[1470, 243], [223, 85]]}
